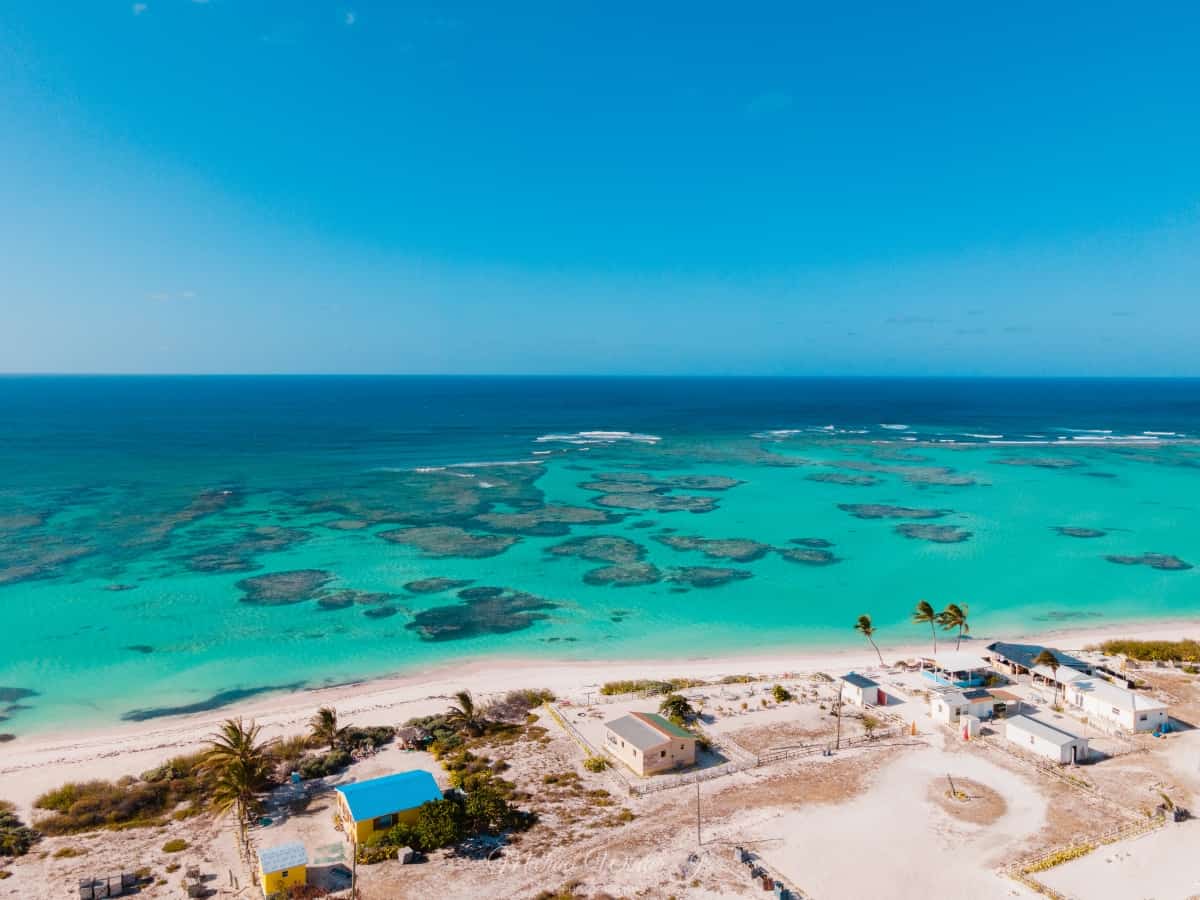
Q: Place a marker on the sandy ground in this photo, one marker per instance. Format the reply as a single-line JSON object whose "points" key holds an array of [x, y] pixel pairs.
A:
{"points": [[1158, 866], [813, 821], [31, 765]]}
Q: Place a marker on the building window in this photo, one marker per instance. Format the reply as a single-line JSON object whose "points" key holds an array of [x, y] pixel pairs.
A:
{"points": [[283, 874], [662, 753], [384, 822]]}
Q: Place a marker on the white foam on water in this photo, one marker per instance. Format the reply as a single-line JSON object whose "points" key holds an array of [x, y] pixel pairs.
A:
{"points": [[894, 427], [982, 437], [598, 437]]}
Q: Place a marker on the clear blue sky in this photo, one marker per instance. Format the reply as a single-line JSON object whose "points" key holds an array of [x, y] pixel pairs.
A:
{"points": [[918, 188]]}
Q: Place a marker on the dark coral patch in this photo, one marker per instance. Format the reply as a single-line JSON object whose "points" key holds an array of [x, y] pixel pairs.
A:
{"points": [[511, 611], [884, 511], [1162, 561], [239, 555], [281, 588], [939, 534], [601, 548], [1040, 462], [737, 549], [657, 502], [809, 556], [843, 478], [380, 612], [117, 588], [435, 585], [1077, 532], [15, 694], [140, 648], [811, 542], [346, 598], [706, 576], [347, 524], [543, 521], [447, 540], [481, 593], [628, 575]]}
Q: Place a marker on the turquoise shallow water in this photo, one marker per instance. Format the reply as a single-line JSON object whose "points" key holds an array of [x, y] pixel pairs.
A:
{"points": [[128, 533]]}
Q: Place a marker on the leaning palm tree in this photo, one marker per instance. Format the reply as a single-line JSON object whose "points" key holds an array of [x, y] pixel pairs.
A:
{"points": [[924, 613], [1047, 658], [952, 617], [864, 626], [465, 715], [240, 767], [323, 727]]}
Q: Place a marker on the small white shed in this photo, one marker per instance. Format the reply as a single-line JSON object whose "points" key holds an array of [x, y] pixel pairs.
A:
{"points": [[860, 690], [1046, 740]]}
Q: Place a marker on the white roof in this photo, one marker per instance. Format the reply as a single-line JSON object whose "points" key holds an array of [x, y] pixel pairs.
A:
{"points": [[1065, 674], [1044, 730], [959, 661], [285, 856], [1117, 696]]}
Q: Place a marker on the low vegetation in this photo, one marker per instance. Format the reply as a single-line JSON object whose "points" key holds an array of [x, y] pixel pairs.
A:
{"points": [[1153, 651], [647, 686], [175, 845], [15, 836], [678, 709], [181, 784], [781, 694], [596, 763]]}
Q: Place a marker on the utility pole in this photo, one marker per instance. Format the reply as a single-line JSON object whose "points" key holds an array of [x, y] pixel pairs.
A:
{"points": [[698, 842], [838, 708]]}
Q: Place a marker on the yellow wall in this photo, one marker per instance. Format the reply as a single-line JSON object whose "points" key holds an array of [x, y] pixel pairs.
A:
{"points": [[275, 882], [364, 829]]}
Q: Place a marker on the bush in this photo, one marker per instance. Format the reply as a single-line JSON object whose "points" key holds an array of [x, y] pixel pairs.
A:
{"points": [[648, 686], [596, 763], [326, 764], [781, 694], [175, 845], [516, 705], [15, 837], [1154, 651], [371, 738], [677, 708]]}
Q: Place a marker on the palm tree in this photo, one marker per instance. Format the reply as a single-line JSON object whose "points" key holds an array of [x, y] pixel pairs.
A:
{"points": [[324, 727], [1047, 658], [240, 766], [954, 616], [864, 626], [924, 613], [465, 715]]}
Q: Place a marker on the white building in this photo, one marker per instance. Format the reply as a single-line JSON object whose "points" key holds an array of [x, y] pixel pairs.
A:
{"points": [[1113, 705], [648, 743], [947, 706], [1046, 740], [860, 690]]}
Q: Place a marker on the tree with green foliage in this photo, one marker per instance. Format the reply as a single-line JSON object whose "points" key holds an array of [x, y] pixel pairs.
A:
{"points": [[954, 617], [924, 613], [323, 727], [1050, 660], [485, 811], [781, 694], [677, 708], [465, 716], [240, 766], [864, 627]]}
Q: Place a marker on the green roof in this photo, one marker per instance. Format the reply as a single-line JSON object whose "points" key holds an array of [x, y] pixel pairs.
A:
{"points": [[664, 724]]}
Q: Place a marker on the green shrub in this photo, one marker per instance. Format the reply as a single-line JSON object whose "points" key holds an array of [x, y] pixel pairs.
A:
{"points": [[1154, 651], [175, 845], [677, 708], [324, 765], [781, 694], [596, 763], [15, 837], [69, 852]]}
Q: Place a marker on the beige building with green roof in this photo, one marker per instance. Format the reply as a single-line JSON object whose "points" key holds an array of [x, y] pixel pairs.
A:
{"points": [[649, 743]]}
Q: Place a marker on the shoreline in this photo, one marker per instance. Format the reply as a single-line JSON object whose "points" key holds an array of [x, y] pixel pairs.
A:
{"points": [[29, 766]]}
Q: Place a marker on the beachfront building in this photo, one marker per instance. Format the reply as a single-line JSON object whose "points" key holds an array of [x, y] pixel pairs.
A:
{"points": [[859, 690], [282, 868], [1108, 704], [648, 743], [1046, 740], [1018, 659], [948, 705], [956, 668], [377, 804]]}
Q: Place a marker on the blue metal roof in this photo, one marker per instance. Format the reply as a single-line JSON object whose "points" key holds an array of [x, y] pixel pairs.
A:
{"points": [[389, 794]]}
